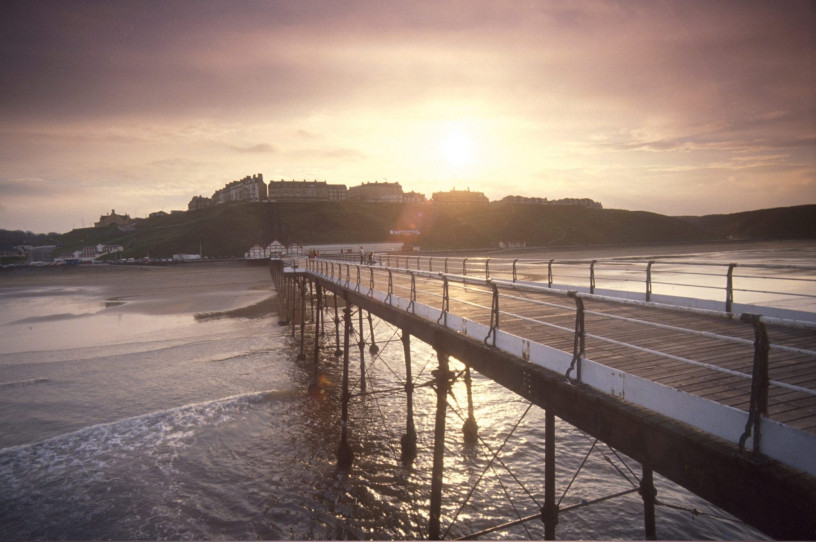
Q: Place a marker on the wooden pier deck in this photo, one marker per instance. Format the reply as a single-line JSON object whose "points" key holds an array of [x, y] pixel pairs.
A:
{"points": [[723, 404]]}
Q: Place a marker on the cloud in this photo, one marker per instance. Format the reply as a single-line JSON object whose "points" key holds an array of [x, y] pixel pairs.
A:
{"points": [[259, 148], [99, 93], [22, 188]]}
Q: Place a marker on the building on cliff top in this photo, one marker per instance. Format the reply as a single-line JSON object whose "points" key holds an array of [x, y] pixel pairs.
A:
{"points": [[113, 219]]}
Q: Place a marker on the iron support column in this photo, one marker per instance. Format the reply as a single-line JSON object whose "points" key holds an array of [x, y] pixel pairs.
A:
{"points": [[373, 348], [470, 428], [292, 305], [442, 375], [314, 385], [344, 454], [362, 352], [408, 441], [648, 493], [337, 351], [311, 301], [302, 354], [549, 514]]}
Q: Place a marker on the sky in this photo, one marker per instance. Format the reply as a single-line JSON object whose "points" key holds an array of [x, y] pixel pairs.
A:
{"points": [[678, 107]]}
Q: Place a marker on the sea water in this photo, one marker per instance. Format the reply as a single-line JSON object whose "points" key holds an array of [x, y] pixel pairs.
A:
{"points": [[167, 403]]}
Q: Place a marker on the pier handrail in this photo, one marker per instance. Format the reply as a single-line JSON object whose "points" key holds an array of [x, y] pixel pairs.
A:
{"points": [[501, 290], [726, 283]]}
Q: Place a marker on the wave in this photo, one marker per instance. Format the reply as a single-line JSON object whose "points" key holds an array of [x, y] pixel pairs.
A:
{"points": [[240, 355], [51, 318], [152, 430], [21, 383], [147, 477], [100, 352], [261, 309]]}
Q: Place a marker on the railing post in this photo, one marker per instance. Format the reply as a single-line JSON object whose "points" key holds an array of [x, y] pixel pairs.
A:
{"points": [[370, 281], [494, 317], [412, 301], [549, 274], [760, 381], [464, 266], [579, 340], [649, 281], [446, 265], [390, 287], [430, 264], [729, 288], [487, 268], [592, 277], [358, 278], [515, 276], [445, 302]]}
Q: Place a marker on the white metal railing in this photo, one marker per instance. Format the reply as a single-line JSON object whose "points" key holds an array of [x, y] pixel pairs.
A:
{"points": [[398, 288], [731, 286]]}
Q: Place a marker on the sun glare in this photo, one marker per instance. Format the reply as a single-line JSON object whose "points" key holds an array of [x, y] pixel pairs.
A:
{"points": [[457, 148]]}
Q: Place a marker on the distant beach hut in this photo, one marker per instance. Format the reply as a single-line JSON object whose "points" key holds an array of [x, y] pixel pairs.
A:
{"points": [[275, 249], [295, 248]]}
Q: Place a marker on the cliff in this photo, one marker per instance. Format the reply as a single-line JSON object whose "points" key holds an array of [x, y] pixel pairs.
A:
{"points": [[228, 230]]}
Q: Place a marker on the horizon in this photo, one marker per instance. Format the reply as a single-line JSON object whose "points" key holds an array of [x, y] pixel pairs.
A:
{"points": [[675, 107]]}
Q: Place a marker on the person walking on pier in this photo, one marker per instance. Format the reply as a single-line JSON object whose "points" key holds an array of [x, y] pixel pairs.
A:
{"points": [[362, 255]]}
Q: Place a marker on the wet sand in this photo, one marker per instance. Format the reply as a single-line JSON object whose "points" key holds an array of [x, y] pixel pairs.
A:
{"points": [[172, 289]]}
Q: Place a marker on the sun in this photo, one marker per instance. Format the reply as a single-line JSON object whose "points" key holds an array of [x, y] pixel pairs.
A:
{"points": [[457, 148]]}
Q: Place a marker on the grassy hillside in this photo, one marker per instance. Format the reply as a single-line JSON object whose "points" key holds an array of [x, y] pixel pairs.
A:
{"points": [[797, 222], [552, 225], [229, 230]]}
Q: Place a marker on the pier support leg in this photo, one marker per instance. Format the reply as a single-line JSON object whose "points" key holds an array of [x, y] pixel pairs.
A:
{"points": [[344, 454], [408, 441], [311, 302], [373, 349], [321, 302], [470, 428], [362, 352], [442, 375], [549, 513], [285, 302], [649, 493], [314, 384], [292, 305], [302, 354], [337, 351]]}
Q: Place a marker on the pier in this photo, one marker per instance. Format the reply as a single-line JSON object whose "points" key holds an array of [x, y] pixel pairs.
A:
{"points": [[716, 395]]}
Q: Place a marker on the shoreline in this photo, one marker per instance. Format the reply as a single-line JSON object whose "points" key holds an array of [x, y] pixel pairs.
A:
{"points": [[643, 250], [156, 290]]}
